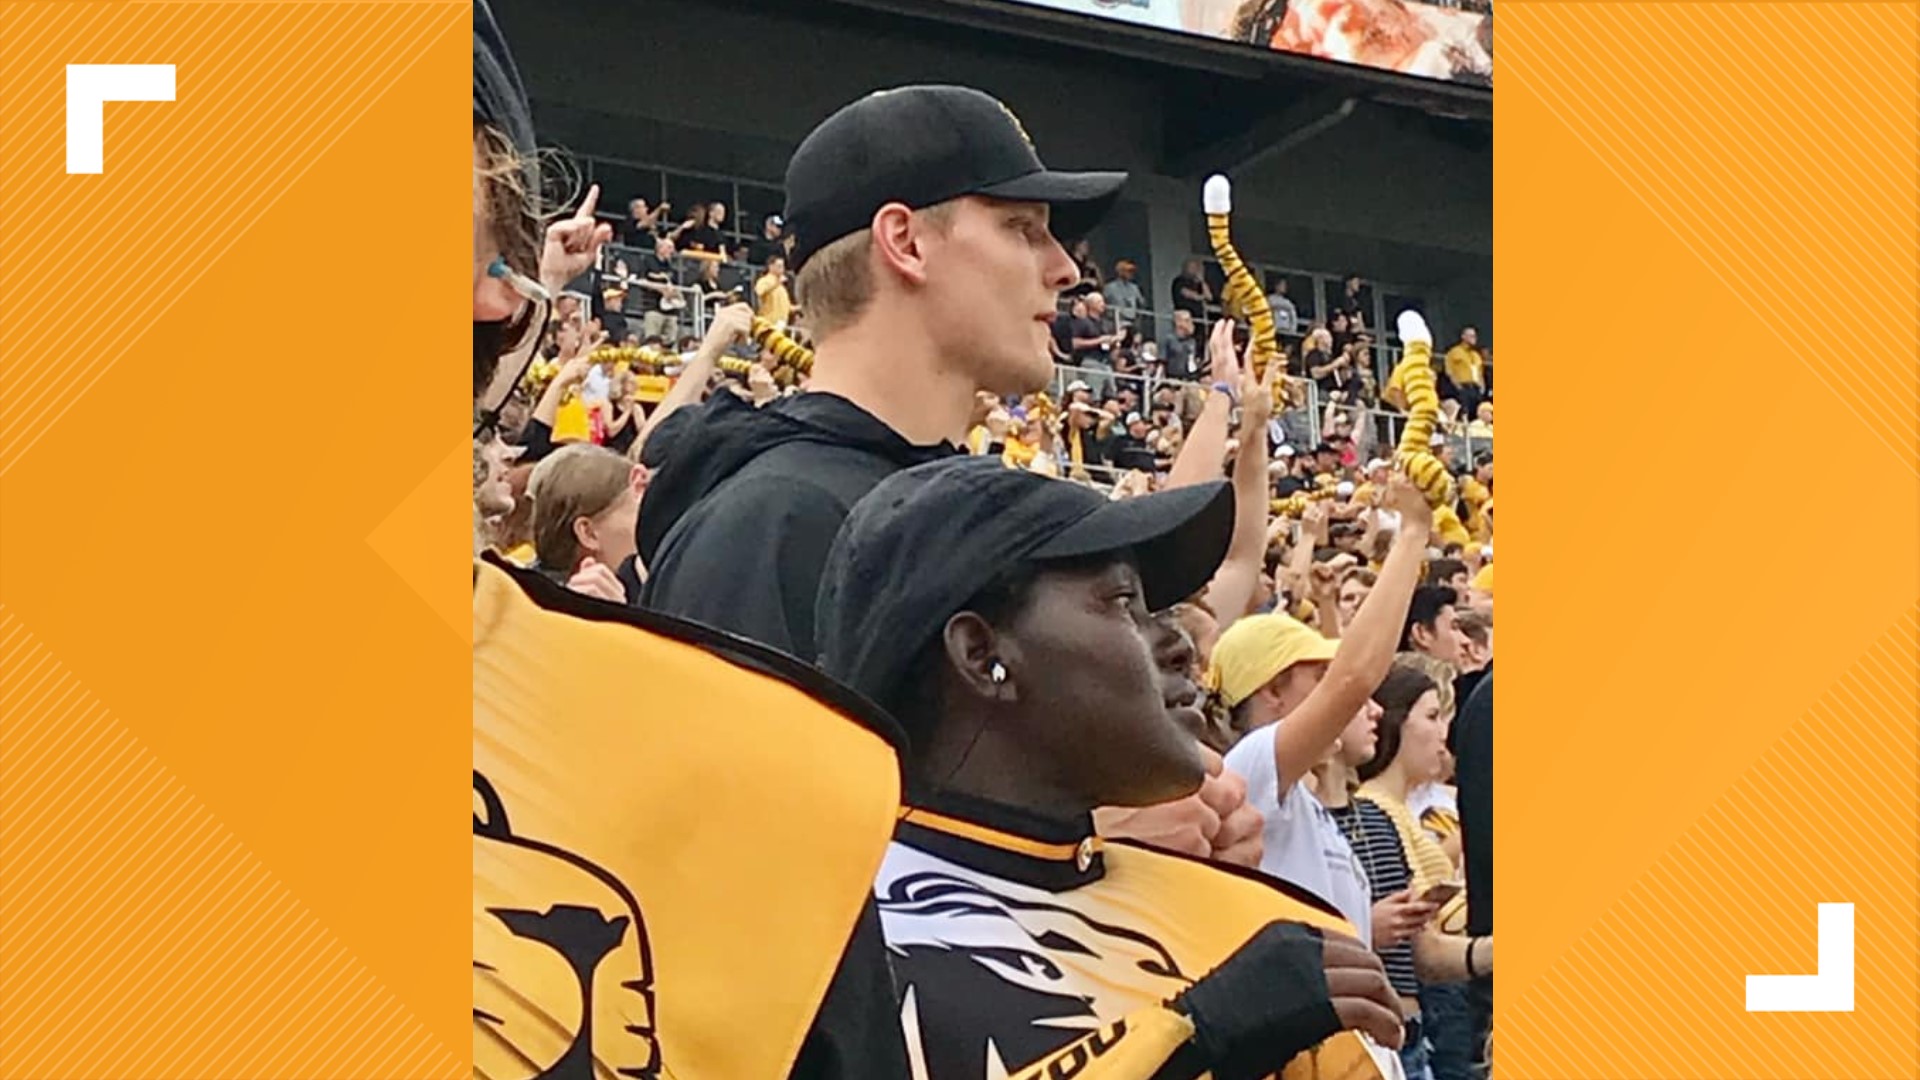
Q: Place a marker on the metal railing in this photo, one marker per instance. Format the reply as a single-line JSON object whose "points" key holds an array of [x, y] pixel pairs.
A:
{"points": [[1298, 419], [1376, 432]]}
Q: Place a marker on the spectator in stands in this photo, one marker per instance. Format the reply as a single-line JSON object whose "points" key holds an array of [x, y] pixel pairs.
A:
{"points": [[1471, 739], [1123, 294], [1086, 437], [585, 499], [1476, 632], [1178, 348], [771, 300], [773, 241], [1028, 703], [1326, 460], [1061, 343], [1336, 374], [641, 224], [699, 233], [1191, 293], [1480, 429], [1130, 449], [1294, 418], [1286, 320], [617, 298], [1355, 583], [1298, 476], [1082, 252], [1430, 626], [915, 304], [1316, 352], [1093, 343], [656, 288], [717, 219], [1410, 751], [713, 292], [1129, 372], [1465, 371], [1449, 572], [1292, 693], [1356, 300], [1343, 329]]}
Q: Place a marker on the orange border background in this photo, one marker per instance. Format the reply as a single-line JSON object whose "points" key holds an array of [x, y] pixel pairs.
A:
{"points": [[232, 677], [1705, 223], [232, 648]]}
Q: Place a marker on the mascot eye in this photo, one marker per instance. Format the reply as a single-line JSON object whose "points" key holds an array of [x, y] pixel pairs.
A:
{"points": [[1160, 968], [1054, 941]]}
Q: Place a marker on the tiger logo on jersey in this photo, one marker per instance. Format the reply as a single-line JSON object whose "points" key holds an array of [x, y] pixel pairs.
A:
{"points": [[562, 968], [1001, 977]]}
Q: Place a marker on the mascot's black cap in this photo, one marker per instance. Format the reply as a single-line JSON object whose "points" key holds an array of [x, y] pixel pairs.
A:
{"points": [[498, 97]]}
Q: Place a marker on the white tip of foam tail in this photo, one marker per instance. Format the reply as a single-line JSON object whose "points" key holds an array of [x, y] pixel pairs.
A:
{"points": [[1414, 328], [1217, 196]]}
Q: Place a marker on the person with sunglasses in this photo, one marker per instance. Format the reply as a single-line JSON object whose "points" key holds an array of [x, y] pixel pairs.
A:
{"points": [[606, 877]]}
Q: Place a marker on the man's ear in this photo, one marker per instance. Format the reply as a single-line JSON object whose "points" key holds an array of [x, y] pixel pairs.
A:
{"points": [[585, 535], [898, 241], [973, 650]]}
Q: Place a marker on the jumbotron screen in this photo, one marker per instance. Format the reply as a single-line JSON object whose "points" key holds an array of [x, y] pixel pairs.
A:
{"points": [[1452, 41]]}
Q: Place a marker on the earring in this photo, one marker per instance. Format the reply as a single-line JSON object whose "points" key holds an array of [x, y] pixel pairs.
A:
{"points": [[997, 672]]}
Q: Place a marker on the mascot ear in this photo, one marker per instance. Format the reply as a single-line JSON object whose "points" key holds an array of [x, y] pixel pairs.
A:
{"points": [[489, 814]]}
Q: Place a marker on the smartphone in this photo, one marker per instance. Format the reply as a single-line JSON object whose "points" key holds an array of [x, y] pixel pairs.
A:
{"points": [[1442, 893]]}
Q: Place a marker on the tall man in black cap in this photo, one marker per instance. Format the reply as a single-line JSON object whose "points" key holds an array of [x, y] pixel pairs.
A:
{"points": [[927, 261], [925, 257]]}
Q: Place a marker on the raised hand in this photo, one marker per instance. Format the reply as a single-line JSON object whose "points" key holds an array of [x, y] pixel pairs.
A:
{"points": [[1224, 362], [573, 243]]}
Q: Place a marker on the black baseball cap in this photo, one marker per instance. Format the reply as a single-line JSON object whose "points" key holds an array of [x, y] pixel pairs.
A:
{"points": [[924, 145], [927, 540]]}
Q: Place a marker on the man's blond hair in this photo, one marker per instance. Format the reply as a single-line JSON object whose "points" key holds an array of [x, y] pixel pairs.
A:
{"points": [[836, 284]]}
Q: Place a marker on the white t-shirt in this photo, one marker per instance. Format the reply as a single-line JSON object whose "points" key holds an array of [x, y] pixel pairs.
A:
{"points": [[1303, 844]]}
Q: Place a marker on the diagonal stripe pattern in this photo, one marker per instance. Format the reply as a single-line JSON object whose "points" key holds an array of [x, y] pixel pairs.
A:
{"points": [[255, 82], [1657, 988], [112, 866], [1759, 174]]}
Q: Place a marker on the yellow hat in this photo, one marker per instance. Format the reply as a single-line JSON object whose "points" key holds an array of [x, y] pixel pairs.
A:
{"points": [[1483, 581], [1257, 648], [570, 423]]}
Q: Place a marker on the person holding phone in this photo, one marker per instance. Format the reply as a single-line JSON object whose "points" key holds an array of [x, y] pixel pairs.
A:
{"points": [[1412, 876]]}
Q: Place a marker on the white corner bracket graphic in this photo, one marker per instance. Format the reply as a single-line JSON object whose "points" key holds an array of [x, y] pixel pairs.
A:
{"points": [[89, 88], [1831, 990]]}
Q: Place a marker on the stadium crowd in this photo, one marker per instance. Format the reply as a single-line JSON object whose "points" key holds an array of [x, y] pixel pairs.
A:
{"points": [[988, 495]]}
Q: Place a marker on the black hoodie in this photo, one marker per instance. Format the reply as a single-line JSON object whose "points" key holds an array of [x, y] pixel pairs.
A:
{"points": [[734, 531], [745, 502]]}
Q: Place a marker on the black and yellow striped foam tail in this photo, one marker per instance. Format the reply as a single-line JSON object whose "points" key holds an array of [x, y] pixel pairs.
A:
{"points": [[1296, 504], [1415, 455], [1429, 475], [790, 352], [635, 356], [1243, 293]]}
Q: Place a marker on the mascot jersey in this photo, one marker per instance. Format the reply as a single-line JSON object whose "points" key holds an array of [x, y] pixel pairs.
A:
{"points": [[674, 833], [1028, 948]]}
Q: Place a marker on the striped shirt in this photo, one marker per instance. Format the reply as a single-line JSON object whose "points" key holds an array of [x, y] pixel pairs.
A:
{"points": [[1376, 844]]}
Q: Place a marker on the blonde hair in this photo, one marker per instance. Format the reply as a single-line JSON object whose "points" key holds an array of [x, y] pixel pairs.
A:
{"points": [[836, 284], [575, 481]]}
